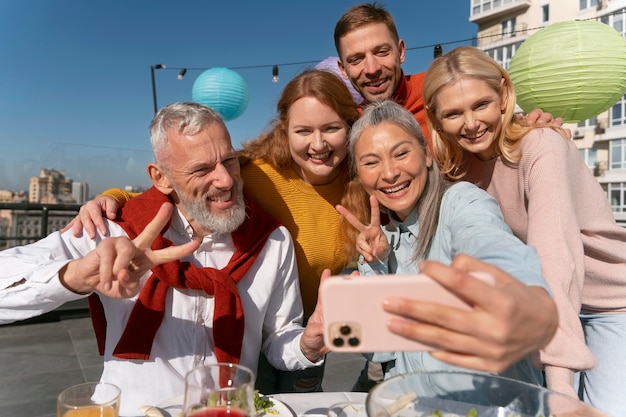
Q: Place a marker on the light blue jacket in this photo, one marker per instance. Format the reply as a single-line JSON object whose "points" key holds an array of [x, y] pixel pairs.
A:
{"points": [[470, 222]]}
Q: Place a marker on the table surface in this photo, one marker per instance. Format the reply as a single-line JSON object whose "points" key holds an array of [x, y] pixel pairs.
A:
{"points": [[317, 403], [301, 404]]}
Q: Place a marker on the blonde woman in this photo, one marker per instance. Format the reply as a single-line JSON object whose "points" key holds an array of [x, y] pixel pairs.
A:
{"points": [[551, 201]]}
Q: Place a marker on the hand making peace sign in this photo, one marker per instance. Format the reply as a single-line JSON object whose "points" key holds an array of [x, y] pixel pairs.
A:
{"points": [[371, 242], [117, 265]]}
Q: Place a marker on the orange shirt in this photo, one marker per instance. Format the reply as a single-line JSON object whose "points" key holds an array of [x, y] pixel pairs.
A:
{"points": [[409, 94]]}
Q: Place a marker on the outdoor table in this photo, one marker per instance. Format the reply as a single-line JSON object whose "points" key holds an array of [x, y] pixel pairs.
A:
{"points": [[292, 404], [317, 403]]}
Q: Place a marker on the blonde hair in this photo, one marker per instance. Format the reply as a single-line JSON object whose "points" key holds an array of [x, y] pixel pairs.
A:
{"points": [[468, 61]]}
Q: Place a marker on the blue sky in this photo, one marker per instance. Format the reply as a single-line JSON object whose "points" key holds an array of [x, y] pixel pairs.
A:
{"points": [[75, 86]]}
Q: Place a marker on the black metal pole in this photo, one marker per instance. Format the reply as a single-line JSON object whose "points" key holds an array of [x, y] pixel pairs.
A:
{"points": [[154, 95]]}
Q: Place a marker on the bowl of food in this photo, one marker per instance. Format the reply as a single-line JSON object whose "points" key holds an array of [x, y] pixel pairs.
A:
{"points": [[467, 394]]}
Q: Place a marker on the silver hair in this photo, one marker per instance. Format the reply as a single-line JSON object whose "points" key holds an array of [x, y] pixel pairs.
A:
{"points": [[187, 117], [191, 118], [388, 111]]}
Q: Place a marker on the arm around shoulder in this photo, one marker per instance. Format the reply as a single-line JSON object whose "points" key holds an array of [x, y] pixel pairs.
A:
{"points": [[121, 196]]}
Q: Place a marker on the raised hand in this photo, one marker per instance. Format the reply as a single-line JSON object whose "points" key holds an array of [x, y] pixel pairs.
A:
{"points": [[508, 320], [538, 117], [117, 265], [91, 215], [312, 341], [371, 241]]}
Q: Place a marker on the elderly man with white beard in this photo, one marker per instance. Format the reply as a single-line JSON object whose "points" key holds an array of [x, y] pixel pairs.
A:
{"points": [[157, 317]]}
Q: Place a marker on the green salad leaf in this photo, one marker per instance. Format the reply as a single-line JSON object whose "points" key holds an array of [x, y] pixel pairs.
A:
{"points": [[261, 403]]}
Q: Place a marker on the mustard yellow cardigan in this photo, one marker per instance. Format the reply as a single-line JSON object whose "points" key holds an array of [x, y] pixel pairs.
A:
{"points": [[307, 211]]}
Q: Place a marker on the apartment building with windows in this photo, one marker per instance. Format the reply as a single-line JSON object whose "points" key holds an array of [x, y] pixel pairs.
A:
{"points": [[502, 27], [50, 186]]}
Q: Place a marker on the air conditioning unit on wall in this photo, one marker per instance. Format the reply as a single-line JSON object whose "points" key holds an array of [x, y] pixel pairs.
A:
{"points": [[599, 129]]}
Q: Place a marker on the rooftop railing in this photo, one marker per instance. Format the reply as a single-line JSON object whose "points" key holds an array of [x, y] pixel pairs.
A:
{"points": [[23, 223]]}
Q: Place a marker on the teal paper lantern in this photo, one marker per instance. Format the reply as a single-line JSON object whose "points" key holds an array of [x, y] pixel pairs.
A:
{"points": [[222, 89], [574, 70]]}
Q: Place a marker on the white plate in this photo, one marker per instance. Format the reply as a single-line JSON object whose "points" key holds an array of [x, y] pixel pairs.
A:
{"points": [[280, 409], [173, 408]]}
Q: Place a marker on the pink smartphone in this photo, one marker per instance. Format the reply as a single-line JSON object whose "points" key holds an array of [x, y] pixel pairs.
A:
{"points": [[352, 309]]}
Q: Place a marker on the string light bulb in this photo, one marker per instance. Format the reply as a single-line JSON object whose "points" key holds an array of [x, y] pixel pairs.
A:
{"points": [[182, 73], [275, 74], [437, 51]]}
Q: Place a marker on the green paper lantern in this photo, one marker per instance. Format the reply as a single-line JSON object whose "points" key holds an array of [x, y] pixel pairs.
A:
{"points": [[574, 70]]}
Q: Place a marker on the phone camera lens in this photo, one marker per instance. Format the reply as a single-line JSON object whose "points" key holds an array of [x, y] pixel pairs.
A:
{"points": [[345, 329], [354, 341], [338, 341]]}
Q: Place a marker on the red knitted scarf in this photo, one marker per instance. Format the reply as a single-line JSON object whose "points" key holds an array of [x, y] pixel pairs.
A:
{"points": [[149, 309]]}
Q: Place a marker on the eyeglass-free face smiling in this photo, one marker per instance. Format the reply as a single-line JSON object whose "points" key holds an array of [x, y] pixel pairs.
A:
{"points": [[392, 166]]}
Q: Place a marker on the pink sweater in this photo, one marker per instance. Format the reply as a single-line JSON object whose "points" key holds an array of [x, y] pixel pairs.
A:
{"points": [[552, 202]]}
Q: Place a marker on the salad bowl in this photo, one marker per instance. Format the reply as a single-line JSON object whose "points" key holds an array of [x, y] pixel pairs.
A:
{"points": [[468, 394]]}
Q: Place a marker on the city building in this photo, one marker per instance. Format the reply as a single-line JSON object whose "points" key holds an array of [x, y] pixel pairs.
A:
{"points": [[52, 201], [6, 195], [50, 187], [134, 189], [80, 192], [502, 27], [49, 205], [25, 223]]}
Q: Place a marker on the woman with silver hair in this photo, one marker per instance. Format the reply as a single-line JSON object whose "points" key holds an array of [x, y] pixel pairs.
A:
{"points": [[430, 219]]}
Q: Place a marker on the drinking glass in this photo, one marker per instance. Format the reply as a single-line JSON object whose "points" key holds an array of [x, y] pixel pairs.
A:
{"points": [[219, 390], [89, 399]]}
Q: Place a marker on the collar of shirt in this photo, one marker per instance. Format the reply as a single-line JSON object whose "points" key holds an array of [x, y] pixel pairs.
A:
{"points": [[406, 229], [180, 232]]}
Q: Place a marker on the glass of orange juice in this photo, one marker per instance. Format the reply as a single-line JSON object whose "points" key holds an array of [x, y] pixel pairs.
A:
{"points": [[89, 399]]}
